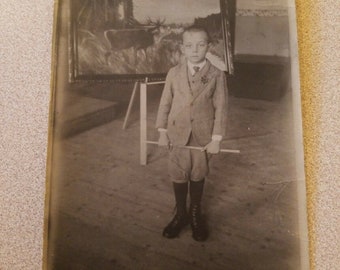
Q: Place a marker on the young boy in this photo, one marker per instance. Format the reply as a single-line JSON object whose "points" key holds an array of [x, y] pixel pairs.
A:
{"points": [[192, 112]]}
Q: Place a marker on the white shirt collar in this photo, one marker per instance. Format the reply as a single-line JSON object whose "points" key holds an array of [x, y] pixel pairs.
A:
{"points": [[200, 65]]}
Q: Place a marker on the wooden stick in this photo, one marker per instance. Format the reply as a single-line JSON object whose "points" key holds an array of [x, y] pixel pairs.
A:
{"points": [[132, 98], [200, 148]]}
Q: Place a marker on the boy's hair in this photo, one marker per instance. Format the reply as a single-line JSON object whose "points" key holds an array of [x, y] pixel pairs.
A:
{"points": [[196, 28]]}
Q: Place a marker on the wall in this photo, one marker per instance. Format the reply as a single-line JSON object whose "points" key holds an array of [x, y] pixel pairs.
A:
{"points": [[262, 28], [264, 35]]}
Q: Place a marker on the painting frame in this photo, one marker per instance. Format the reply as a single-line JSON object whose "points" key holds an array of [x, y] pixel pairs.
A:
{"points": [[101, 72]]}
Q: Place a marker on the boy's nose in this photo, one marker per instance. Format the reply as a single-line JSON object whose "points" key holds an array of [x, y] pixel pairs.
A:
{"points": [[195, 48]]}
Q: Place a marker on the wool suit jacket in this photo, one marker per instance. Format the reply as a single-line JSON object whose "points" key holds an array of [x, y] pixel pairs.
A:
{"points": [[201, 113]]}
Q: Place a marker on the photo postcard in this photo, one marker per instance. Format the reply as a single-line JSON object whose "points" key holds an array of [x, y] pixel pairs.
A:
{"points": [[176, 137]]}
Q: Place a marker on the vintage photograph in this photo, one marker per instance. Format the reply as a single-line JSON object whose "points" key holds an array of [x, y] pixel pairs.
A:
{"points": [[176, 137]]}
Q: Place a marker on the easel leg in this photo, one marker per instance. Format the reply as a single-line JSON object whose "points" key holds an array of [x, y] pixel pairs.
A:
{"points": [[143, 124], [132, 99]]}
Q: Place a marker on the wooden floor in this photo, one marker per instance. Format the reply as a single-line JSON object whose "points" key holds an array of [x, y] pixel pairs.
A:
{"points": [[108, 212]]}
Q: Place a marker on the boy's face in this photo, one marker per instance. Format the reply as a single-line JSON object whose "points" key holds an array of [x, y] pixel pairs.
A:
{"points": [[195, 46]]}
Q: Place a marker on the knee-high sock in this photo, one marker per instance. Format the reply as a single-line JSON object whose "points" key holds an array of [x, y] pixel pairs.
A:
{"points": [[196, 191], [181, 191]]}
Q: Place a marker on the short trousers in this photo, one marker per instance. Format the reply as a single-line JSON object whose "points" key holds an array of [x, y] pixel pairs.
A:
{"points": [[186, 164]]}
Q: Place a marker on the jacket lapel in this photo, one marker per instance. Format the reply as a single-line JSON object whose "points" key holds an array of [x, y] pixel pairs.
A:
{"points": [[185, 87], [205, 77]]}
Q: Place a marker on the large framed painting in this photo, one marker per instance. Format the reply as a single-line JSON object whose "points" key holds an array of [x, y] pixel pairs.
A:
{"points": [[138, 39]]}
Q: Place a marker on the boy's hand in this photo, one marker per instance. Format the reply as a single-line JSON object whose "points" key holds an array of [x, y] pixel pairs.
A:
{"points": [[163, 139], [213, 147]]}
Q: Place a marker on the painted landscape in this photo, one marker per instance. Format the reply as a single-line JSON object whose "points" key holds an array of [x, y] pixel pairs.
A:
{"points": [[135, 37]]}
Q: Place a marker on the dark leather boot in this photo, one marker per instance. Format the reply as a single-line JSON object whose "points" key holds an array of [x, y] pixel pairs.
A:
{"points": [[198, 225], [181, 218], [175, 226]]}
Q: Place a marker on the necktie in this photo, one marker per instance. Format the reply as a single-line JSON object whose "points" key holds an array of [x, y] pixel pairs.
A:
{"points": [[196, 69]]}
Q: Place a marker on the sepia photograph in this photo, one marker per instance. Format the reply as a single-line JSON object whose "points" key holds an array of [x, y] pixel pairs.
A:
{"points": [[176, 137]]}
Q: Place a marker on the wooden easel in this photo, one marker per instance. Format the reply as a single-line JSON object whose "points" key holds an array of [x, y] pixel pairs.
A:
{"points": [[132, 98], [143, 116], [143, 121]]}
